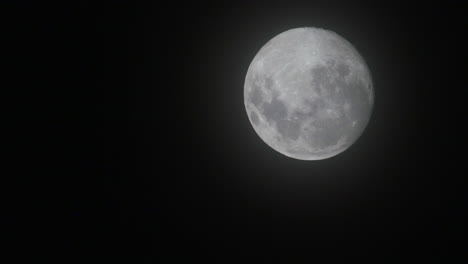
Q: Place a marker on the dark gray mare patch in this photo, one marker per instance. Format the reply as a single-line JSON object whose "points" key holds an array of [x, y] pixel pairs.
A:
{"points": [[275, 110], [256, 95], [289, 129]]}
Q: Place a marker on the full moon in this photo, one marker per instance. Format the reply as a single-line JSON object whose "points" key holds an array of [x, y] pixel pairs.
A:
{"points": [[308, 94]]}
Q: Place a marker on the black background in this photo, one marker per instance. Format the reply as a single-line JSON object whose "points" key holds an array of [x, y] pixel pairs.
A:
{"points": [[134, 143]]}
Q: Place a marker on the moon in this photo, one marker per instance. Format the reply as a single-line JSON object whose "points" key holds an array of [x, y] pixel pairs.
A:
{"points": [[308, 94]]}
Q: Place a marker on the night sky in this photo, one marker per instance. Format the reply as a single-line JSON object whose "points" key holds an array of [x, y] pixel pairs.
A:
{"points": [[139, 148]]}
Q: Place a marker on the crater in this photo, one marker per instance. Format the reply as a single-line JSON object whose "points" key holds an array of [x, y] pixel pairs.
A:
{"points": [[254, 118]]}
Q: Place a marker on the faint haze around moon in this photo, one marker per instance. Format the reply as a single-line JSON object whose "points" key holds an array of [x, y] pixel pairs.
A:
{"points": [[308, 94]]}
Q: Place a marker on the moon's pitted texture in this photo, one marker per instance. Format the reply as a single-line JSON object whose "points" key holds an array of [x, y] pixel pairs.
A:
{"points": [[308, 94]]}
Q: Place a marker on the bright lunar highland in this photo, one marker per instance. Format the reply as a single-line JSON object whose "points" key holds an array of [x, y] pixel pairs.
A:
{"points": [[308, 94]]}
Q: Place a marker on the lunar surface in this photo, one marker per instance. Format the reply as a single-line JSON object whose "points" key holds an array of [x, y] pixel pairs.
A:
{"points": [[308, 94]]}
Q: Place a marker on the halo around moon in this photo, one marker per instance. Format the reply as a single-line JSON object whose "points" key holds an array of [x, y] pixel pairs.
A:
{"points": [[308, 94]]}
